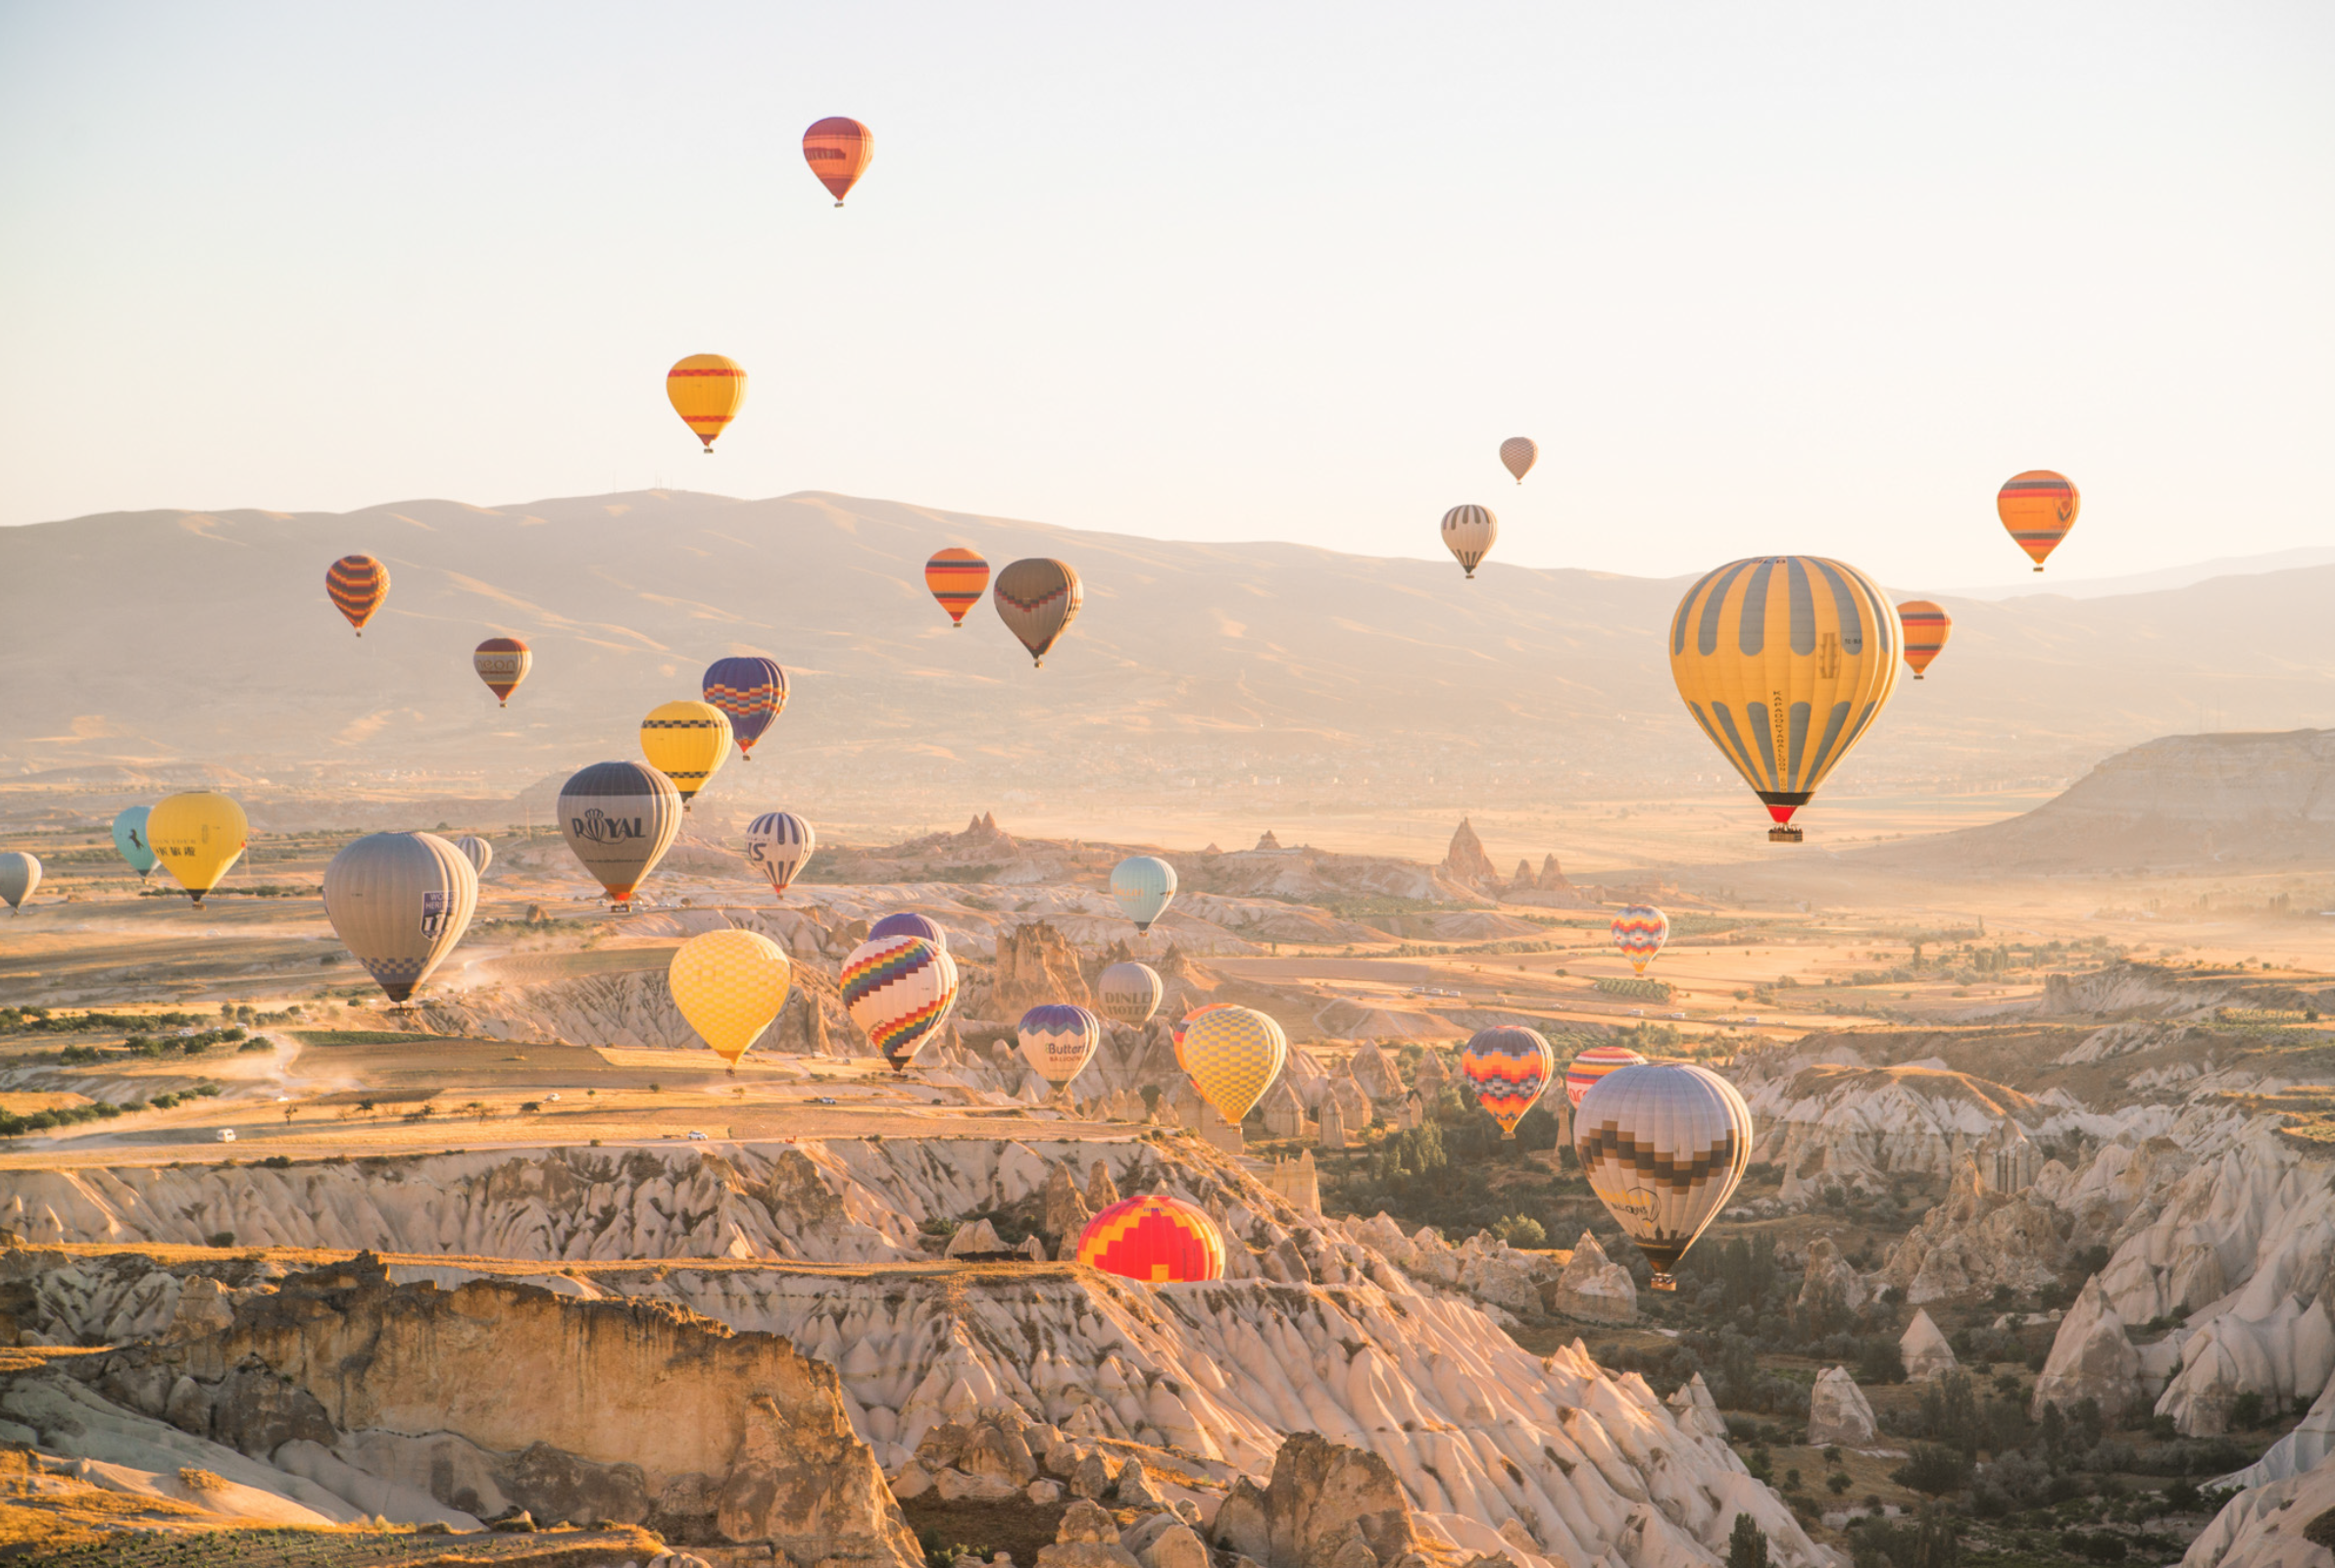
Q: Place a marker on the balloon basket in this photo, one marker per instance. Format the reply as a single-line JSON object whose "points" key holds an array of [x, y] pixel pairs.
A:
{"points": [[1784, 833], [1664, 1282]]}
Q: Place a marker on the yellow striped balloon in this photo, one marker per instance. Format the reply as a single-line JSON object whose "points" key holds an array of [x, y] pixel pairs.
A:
{"points": [[1785, 662], [687, 742], [1234, 1054], [1927, 626], [706, 390], [2038, 507], [729, 985]]}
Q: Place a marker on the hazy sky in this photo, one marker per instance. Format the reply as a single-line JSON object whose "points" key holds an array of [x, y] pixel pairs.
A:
{"points": [[1758, 278]]}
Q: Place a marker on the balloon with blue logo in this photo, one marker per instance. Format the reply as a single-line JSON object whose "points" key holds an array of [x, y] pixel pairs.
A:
{"points": [[129, 837], [1143, 885], [1057, 1040]]}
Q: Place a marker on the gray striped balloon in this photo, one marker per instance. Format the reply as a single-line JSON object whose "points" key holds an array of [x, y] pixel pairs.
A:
{"points": [[1468, 533], [1663, 1144]]}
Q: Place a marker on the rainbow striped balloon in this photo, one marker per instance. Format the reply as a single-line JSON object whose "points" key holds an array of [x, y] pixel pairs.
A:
{"points": [[1508, 1066], [1158, 1239], [958, 578], [1594, 1063], [1927, 627], [898, 990], [2038, 507], [1639, 931]]}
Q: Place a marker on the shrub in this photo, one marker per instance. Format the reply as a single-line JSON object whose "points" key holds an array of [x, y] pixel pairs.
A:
{"points": [[222, 1238], [2246, 1411], [1934, 1468]]}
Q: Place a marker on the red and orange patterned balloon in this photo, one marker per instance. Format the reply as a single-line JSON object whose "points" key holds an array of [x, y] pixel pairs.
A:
{"points": [[838, 151], [1508, 1067], [1158, 1239], [1927, 627], [1594, 1063], [2038, 507]]}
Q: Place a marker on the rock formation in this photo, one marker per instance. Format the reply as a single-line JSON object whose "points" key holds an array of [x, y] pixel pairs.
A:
{"points": [[1838, 1412], [1976, 1240], [1036, 964], [1594, 1288], [1926, 1351], [1324, 1499], [1465, 861], [1829, 1277]]}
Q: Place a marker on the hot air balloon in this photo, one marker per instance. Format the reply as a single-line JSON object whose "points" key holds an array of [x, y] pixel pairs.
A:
{"points": [[729, 985], [129, 837], [1517, 455], [399, 903], [687, 742], [1057, 1040], [1129, 993], [1663, 1144], [1037, 598], [1157, 1240], [1785, 662], [620, 818], [197, 836], [958, 578], [1182, 1026], [19, 874], [706, 390], [1639, 931], [1926, 627], [476, 850], [358, 584], [2038, 507], [898, 990], [1468, 533], [751, 692], [1507, 1067], [838, 151], [1233, 1054], [1143, 884], [780, 843], [909, 923], [1594, 1063], [502, 662]]}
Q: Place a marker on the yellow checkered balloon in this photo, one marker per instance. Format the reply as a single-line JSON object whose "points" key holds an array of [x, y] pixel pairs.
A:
{"points": [[729, 985], [1234, 1054]]}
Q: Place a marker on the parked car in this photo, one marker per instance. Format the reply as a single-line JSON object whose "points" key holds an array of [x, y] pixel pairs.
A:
{"points": [[696, 1137], [226, 1135]]}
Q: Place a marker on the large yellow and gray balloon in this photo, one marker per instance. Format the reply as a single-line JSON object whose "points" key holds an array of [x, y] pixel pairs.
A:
{"points": [[619, 818], [1143, 884], [1468, 533], [1785, 662], [1037, 598], [1663, 1145], [399, 902]]}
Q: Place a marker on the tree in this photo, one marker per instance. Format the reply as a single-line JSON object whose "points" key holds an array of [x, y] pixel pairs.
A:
{"points": [[1747, 1545]]}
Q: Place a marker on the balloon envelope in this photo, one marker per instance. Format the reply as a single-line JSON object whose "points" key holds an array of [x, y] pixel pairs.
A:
{"points": [[619, 818], [1663, 1145], [1143, 884], [2038, 507], [1037, 598], [909, 923], [476, 850], [197, 836], [502, 662], [399, 903], [729, 985], [839, 150], [1639, 931], [1057, 1040], [898, 990], [1129, 993], [1926, 627], [1468, 533], [357, 585], [1594, 1063], [1508, 1067], [958, 578], [687, 742], [129, 837], [19, 874], [1517, 455], [1233, 1054], [780, 843], [1158, 1239], [1785, 662], [751, 692], [706, 390]]}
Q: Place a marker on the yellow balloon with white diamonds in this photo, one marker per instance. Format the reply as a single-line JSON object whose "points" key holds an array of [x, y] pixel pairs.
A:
{"points": [[729, 985]]}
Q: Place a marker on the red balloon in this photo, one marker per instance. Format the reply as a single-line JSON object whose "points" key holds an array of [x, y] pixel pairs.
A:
{"points": [[838, 151], [1155, 1240]]}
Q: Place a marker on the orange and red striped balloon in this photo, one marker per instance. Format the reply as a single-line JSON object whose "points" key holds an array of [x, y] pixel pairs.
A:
{"points": [[1594, 1063], [2038, 507], [358, 584], [838, 151], [1927, 626], [707, 390], [1157, 1240], [958, 578]]}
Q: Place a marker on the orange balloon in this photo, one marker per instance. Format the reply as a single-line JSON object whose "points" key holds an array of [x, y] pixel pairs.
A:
{"points": [[2038, 507], [706, 390], [1927, 627], [838, 151], [357, 585]]}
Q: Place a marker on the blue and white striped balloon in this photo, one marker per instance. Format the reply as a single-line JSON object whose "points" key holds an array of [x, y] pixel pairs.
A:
{"points": [[780, 843]]}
